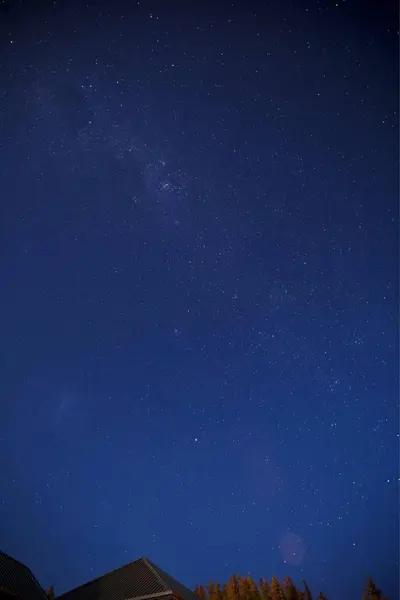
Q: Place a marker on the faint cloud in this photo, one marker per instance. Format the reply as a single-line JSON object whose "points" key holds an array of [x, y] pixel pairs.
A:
{"points": [[63, 408], [292, 548]]}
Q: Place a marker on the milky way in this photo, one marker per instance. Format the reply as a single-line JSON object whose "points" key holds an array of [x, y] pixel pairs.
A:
{"points": [[199, 302]]}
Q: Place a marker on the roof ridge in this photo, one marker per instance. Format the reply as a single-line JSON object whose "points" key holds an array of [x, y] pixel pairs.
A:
{"points": [[178, 589], [149, 564], [14, 559], [100, 577]]}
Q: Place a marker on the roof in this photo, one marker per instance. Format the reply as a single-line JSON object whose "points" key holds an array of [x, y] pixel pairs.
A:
{"points": [[138, 579], [16, 577]]}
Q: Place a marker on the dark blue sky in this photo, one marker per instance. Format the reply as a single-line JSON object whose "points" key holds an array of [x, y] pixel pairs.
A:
{"points": [[199, 290]]}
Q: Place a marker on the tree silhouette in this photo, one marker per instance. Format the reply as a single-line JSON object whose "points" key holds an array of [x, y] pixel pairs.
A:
{"points": [[307, 591], [50, 593], [254, 591], [371, 591], [232, 589], [245, 588], [276, 592], [264, 588], [200, 592], [289, 589]]}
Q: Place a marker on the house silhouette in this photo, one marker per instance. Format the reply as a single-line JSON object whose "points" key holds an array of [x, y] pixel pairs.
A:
{"points": [[138, 580]]}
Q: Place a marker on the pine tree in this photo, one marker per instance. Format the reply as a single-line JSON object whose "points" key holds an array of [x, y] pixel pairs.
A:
{"points": [[307, 591], [275, 590], [264, 588], [218, 592], [289, 589], [200, 592], [244, 589], [210, 590], [232, 589], [371, 591], [254, 591]]}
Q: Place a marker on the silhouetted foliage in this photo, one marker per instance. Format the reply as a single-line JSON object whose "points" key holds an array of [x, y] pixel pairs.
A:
{"points": [[200, 592], [275, 590], [307, 592], [253, 589], [289, 589], [245, 588], [232, 589], [51, 594], [371, 591], [264, 588]]}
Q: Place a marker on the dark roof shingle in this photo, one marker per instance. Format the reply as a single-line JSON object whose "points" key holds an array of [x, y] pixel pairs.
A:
{"points": [[137, 579], [20, 580]]}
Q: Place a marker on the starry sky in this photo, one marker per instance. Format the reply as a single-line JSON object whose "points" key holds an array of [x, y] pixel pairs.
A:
{"points": [[199, 289]]}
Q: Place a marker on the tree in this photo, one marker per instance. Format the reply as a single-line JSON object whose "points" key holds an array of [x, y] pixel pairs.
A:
{"points": [[210, 590], [51, 594], [289, 589], [264, 588], [275, 590], [198, 590], [371, 591], [244, 589], [307, 591], [254, 591], [232, 589], [214, 591], [217, 595]]}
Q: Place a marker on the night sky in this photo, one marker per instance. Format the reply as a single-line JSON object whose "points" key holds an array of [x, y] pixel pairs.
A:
{"points": [[199, 290]]}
